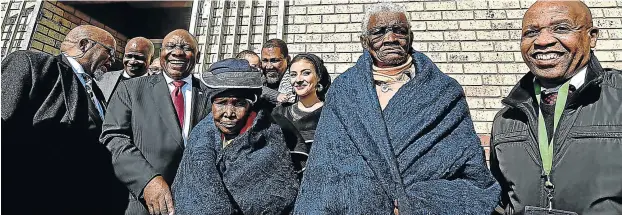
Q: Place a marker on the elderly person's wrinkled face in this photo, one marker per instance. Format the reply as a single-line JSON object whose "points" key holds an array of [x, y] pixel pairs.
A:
{"points": [[274, 64], [178, 55], [137, 56], [92, 47], [103, 54], [304, 78], [556, 39], [388, 38], [230, 113]]}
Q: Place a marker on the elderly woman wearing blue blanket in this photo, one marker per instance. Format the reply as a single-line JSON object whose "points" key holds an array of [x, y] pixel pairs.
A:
{"points": [[236, 161], [395, 135]]}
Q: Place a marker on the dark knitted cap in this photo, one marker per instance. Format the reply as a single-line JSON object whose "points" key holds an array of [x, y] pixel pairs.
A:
{"points": [[234, 75]]}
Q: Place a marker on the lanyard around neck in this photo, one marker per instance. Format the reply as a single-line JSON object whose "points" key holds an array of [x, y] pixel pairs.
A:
{"points": [[546, 147]]}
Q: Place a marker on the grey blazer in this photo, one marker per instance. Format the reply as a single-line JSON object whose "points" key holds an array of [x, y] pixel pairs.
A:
{"points": [[108, 82]]}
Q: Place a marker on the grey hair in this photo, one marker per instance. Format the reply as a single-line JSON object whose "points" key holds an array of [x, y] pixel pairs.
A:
{"points": [[382, 7]]}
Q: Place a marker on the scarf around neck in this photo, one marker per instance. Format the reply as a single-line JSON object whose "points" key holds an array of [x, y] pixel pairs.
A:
{"points": [[392, 74]]}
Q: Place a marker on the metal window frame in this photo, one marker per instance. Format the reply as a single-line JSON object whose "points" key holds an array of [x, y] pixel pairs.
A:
{"points": [[13, 33], [207, 12], [30, 29]]}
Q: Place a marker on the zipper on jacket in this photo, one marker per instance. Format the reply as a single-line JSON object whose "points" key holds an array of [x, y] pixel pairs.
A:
{"points": [[593, 134], [549, 188], [546, 186]]}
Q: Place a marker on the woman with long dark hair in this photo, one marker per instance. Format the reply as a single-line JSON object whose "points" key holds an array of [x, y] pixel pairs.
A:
{"points": [[310, 81]]}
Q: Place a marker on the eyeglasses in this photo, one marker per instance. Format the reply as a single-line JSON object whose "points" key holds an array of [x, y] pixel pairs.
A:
{"points": [[557, 30], [380, 32], [110, 49]]}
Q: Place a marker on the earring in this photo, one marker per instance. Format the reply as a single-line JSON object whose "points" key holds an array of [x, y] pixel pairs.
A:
{"points": [[319, 87]]}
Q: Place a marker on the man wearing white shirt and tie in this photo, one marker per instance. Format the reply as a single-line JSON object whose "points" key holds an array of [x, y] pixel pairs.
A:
{"points": [[148, 122], [555, 147], [52, 116]]}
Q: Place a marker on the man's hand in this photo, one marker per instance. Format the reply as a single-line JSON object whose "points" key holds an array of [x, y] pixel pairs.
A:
{"points": [[158, 197], [282, 98]]}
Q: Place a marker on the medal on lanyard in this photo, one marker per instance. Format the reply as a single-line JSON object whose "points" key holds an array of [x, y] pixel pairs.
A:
{"points": [[546, 147]]}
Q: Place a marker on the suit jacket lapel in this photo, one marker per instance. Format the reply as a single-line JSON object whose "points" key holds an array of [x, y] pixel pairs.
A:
{"points": [[199, 103], [68, 75], [116, 79], [100, 95], [166, 110]]}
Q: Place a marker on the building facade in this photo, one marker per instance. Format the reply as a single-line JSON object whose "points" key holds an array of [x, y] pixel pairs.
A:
{"points": [[474, 41]]}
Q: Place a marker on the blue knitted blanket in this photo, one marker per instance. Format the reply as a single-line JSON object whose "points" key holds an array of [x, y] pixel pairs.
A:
{"points": [[420, 154], [251, 175]]}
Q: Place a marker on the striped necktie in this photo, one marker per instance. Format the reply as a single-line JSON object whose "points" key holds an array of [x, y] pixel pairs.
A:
{"points": [[89, 89]]}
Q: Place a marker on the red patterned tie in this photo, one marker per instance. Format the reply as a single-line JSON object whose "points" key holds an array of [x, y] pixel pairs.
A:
{"points": [[551, 97], [178, 101]]}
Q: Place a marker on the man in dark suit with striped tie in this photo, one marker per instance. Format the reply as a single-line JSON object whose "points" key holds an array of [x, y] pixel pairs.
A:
{"points": [[52, 111], [148, 122]]}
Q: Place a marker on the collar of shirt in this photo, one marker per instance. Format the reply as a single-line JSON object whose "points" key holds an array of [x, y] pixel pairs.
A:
{"points": [[412, 71], [77, 68], [124, 74], [187, 92], [576, 81], [170, 80]]}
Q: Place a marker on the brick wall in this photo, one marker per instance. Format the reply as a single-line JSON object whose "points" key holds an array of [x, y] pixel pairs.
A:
{"points": [[56, 20], [474, 41], [47, 27]]}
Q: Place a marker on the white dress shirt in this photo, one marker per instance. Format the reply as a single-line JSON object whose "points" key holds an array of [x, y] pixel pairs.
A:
{"points": [[187, 92], [79, 71], [577, 80], [124, 74]]}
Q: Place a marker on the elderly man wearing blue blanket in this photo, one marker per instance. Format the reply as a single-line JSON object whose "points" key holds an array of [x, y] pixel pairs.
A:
{"points": [[395, 135]]}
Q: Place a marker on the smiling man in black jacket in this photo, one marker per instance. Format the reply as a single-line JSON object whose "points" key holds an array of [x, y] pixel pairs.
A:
{"points": [[558, 142]]}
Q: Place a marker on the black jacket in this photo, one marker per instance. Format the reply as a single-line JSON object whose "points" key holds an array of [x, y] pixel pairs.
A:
{"points": [[142, 131], [52, 161], [587, 158], [298, 130]]}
